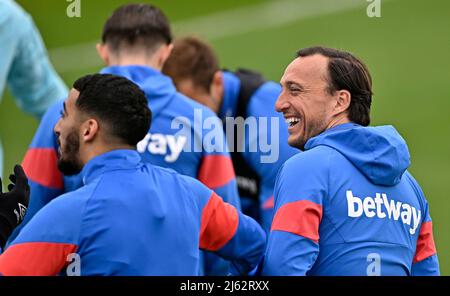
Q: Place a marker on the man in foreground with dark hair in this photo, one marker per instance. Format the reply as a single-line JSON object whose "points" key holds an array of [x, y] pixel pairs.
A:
{"points": [[347, 205], [136, 42], [194, 68], [129, 218]]}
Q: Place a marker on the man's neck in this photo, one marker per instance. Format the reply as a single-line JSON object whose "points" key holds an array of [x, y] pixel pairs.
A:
{"points": [[338, 121], [92, 152], [140, 60], [211, 102]]}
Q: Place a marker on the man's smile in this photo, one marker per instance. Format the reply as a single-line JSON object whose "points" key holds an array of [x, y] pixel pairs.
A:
{"points": [[292, 122]]}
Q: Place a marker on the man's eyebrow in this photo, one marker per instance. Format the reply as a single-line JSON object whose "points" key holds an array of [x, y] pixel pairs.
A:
{"points": [[295, 84]]}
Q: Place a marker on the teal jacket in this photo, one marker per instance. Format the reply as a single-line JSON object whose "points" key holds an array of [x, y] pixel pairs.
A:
{"points": [[24, 65]]}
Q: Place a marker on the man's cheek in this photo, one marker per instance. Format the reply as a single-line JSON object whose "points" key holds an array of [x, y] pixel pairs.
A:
{"points": [[293, 138]]}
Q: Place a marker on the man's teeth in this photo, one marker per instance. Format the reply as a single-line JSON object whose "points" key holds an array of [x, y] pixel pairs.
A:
{"points": [[292, 120]]}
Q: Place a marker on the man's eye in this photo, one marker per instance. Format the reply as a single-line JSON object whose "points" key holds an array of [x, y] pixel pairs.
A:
{"points": [[61, 113]]}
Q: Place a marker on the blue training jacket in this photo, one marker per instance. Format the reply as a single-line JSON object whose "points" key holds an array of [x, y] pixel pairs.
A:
{"points": [[348, 206], [132, 218], [178, 139], [265, 163]]}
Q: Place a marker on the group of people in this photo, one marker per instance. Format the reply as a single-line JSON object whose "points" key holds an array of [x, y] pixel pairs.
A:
{"points": [[123, 173]]}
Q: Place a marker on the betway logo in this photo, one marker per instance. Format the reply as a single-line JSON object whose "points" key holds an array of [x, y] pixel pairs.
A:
{"points": [[160, 144], [383, 208]]}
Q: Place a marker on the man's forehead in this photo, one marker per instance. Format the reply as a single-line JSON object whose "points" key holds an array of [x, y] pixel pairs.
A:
{"points": [[73, 96], [304, 69]]}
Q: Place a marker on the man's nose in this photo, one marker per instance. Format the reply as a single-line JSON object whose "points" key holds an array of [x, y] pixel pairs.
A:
{"points": [[281, 104], [57, 128]]}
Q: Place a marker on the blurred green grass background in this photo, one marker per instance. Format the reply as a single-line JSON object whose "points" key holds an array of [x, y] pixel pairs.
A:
{"points": [[407, 51]]}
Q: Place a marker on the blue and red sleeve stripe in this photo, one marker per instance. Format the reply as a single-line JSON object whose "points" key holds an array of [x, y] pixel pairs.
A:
{"points": [[425, 243], [231, 235], [218, 225], [216, 170], [300, 217], [35, 258], [40, 165]]}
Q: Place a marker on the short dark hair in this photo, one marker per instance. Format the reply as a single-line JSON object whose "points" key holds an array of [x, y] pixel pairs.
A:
{"points": [[192, 59], [117, 102], [347, 72], [137, 25]]}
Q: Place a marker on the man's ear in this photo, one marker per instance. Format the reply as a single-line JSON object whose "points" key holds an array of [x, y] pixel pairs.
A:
{"points": [[89, 130], [343, 101], [103, 52], [166, 50], [216, 91]]}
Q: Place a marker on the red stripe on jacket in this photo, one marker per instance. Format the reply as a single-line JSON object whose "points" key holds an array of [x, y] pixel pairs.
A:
{"points": [[41, 166], [219, 224], [36, 258], [216, 171], [269, 203], [300, 217], [425, 243]]}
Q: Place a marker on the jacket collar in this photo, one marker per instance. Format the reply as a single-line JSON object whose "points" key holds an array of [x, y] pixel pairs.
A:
{"points": [[112, 160]]}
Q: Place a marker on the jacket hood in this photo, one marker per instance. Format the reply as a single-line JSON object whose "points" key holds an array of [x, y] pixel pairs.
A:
{"points": [[158, 88], [380, 153]]}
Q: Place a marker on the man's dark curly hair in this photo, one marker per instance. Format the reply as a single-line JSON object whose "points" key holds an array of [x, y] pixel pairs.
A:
{"points": [[118, 103]]}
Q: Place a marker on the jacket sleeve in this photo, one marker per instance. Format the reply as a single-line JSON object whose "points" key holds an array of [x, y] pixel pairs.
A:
{"points": [[228, 233], [425, 261], [293, 243], [31, 78], [268, 149], [217, 173], [216, 169], [44, 247], [40, 164]]}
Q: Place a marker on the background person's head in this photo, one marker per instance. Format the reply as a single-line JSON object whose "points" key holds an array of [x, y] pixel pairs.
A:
{"points": [[322, 88], [136, 34], [102, 113], [194, 68]]}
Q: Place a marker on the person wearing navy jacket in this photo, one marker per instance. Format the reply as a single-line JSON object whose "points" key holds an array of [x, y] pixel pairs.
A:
{"points": [[347, 205], [136, 41], [129, 217]]}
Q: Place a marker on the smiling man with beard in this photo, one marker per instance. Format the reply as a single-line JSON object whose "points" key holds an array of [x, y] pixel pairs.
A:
{"points": [[326, 220], [194, 68], [129, 218]]}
